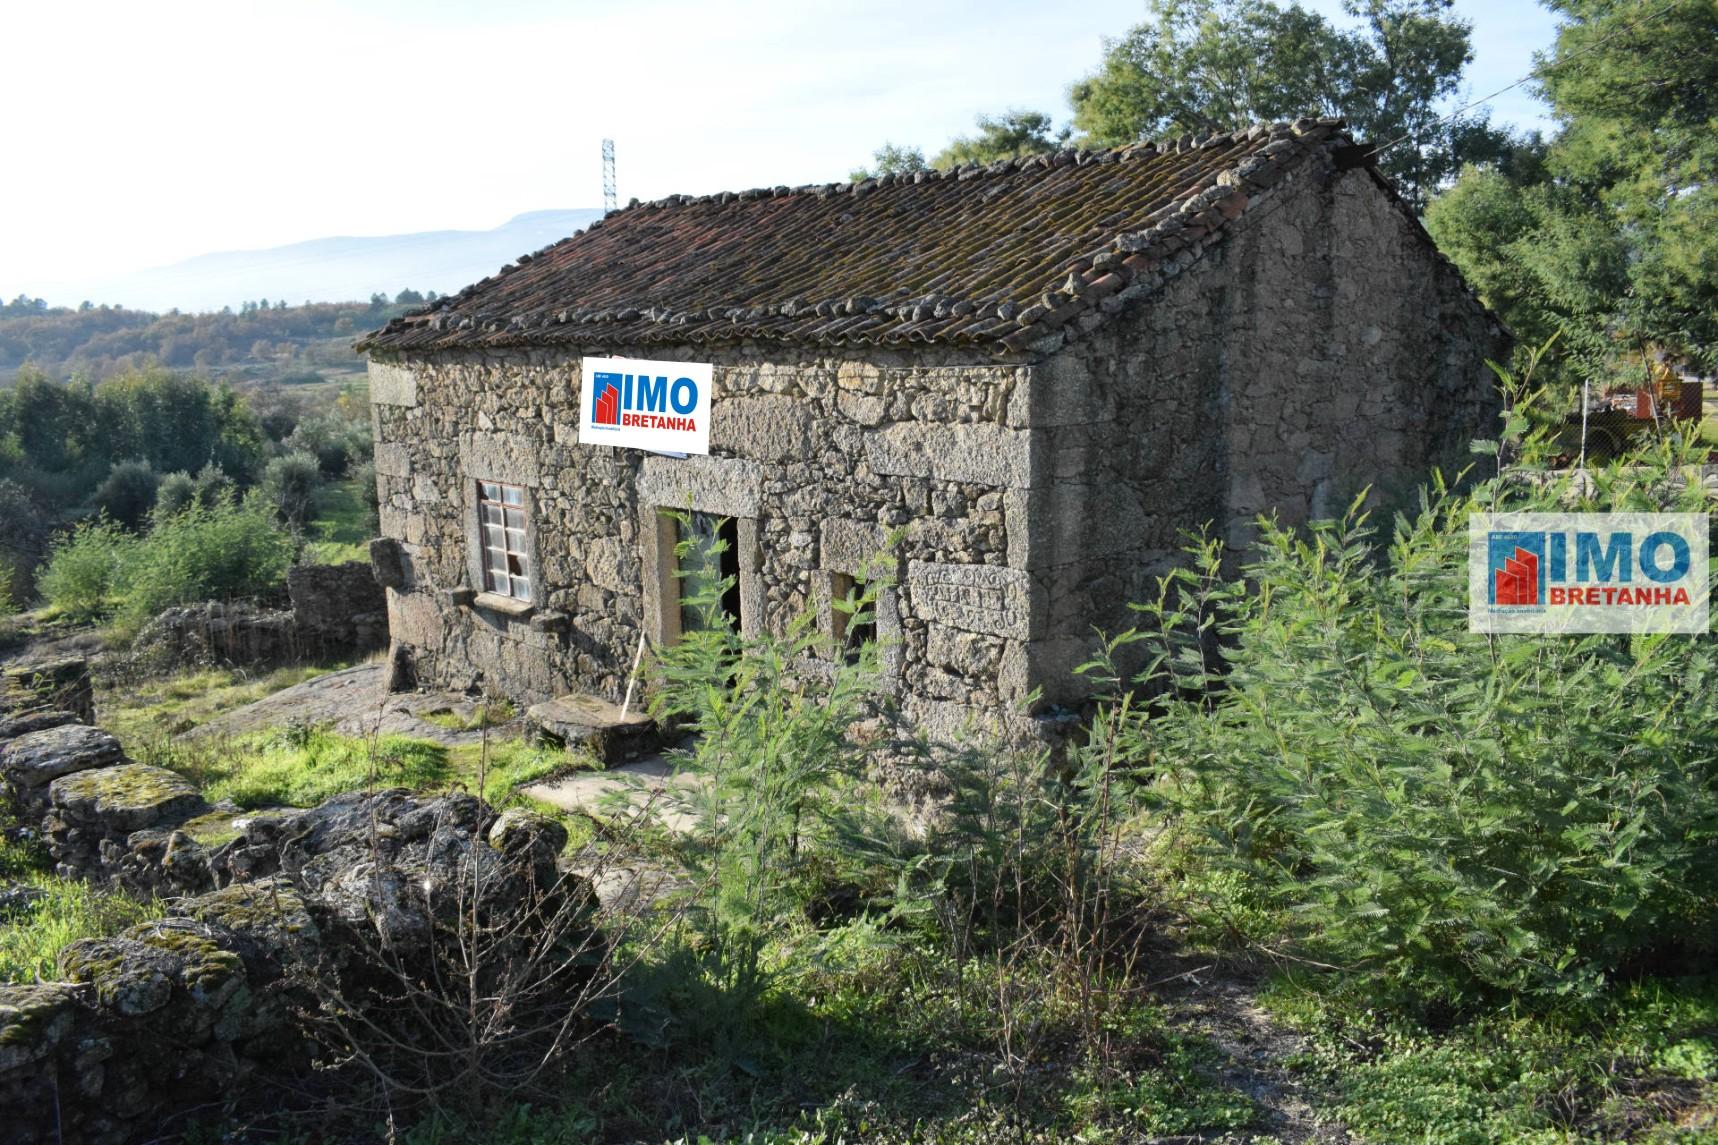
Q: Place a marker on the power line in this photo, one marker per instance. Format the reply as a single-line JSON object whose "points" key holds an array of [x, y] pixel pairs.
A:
{"points": [[1533, 74]]}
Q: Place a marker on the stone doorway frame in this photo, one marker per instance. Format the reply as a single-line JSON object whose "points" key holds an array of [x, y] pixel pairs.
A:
{"points": [[721, 487]]}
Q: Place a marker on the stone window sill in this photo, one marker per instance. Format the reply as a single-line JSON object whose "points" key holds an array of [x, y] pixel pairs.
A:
{"points": [[507, 605]]}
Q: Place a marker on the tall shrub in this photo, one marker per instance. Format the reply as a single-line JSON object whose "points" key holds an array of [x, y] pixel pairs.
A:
{"points": [[217, 552], [773, 744], [1454, 813], [82, 573]]}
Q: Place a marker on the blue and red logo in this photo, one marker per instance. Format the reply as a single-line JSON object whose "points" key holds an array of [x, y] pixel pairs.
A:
{"points": [[641, 401], [1515, 569], [1588, 572]]}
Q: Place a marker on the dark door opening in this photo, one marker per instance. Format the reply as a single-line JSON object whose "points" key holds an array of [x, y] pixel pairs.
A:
{"points": [[703, 567]]}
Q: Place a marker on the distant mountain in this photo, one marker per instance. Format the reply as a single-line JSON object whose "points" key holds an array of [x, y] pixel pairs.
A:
{"points": [[329, 270]]}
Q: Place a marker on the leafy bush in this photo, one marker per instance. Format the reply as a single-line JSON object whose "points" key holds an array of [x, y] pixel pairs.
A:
{"points": [[288, 487], [82, 574], [179, 491], [176, 493], [128, 493], [1452, 813], [226, 551], [336, 441]]}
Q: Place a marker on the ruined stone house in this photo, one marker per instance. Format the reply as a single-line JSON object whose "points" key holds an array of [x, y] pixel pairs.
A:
{"points": [[1041, 372]]}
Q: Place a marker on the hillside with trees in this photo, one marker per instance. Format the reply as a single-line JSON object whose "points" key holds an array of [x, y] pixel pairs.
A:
{"points": [[264, 340]]}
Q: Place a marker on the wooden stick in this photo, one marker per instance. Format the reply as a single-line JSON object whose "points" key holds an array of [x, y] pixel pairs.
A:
{"points": [[632, 677]]}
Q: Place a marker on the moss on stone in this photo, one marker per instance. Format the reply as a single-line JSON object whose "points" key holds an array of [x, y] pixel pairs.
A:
{"points": [[126, 797]]}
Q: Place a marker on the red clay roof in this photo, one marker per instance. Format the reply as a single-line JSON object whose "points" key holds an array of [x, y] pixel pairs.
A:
{"points": [[990, 257]]}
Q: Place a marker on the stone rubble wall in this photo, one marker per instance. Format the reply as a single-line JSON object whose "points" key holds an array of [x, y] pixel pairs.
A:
{"points": [[820, 457], [58, 685], [1323, 349], [336, 610], [171, 1015]]}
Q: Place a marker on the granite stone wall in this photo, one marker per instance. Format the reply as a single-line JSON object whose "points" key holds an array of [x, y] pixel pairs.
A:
{"points": [[1321, 349], [819, 459]]}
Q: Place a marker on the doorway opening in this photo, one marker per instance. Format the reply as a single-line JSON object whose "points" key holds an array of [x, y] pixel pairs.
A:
{"points": [[708, 554]]}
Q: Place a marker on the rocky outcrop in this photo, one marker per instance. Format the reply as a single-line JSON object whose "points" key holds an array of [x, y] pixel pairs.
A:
{"points": [[347, 900], [195, 635]]}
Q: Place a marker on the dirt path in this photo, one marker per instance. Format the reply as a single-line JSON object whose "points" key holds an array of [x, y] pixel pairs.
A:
{"points": [[1222, 1006]]}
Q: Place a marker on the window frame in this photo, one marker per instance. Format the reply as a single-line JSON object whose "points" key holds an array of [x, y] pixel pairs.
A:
{"points": [[516, 566]]}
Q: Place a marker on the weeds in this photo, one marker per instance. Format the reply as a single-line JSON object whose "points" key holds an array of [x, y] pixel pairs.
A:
{"points": [[66, 911]]}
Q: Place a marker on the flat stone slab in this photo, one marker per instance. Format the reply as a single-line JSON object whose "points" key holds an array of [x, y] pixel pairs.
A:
{"points": [[356, 702], [11, 727], [42, 756], [130, 797], [594, 724]]}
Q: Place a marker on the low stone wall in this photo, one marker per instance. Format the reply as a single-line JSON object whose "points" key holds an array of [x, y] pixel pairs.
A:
{"points": [[337, 610], [286, 909]]}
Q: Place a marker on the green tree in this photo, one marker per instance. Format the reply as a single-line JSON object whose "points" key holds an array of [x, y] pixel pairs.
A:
{"points": [[1202, 66], [890, 160], [128, 493], [288, 487], [1613, 236], [1007, 136]]}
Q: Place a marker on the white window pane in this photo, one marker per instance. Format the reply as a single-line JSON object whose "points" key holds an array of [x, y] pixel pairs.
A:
{"points": [[491, 515], [491, 491], [515, 519], [521, 588], [513, 495]]}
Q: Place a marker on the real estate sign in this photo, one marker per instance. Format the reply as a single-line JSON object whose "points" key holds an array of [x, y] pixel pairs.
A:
{"points": [[660, 406], [1588, 572]]}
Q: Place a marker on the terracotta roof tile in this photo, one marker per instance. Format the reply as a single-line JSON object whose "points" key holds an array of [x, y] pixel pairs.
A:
{"points": [[995, 257]]}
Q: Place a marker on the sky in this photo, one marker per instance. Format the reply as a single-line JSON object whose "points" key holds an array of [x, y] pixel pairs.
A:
{"points": [[144, 134]]}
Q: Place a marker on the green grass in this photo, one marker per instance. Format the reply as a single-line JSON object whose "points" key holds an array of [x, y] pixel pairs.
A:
{"points": [[1641, 1065], [69, 910], [300, 767], [490, 713], [341, 528], [141, 716]]}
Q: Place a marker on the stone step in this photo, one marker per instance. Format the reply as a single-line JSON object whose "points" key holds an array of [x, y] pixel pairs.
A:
{"points": [[592, 723]]}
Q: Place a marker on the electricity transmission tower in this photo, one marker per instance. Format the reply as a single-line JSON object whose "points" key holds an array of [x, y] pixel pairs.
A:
{"points": [[607, 176]]}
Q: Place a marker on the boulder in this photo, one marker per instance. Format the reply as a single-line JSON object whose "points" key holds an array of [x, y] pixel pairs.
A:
{"points": [[595, 725], [120, 800], [140, 970], [36, 759]]}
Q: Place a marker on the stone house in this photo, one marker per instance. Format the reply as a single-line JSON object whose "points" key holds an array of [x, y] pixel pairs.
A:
{"points": [[1040, 373]]}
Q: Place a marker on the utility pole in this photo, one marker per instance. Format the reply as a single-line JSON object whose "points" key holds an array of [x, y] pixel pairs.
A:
{"points": [[607, 176]]}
